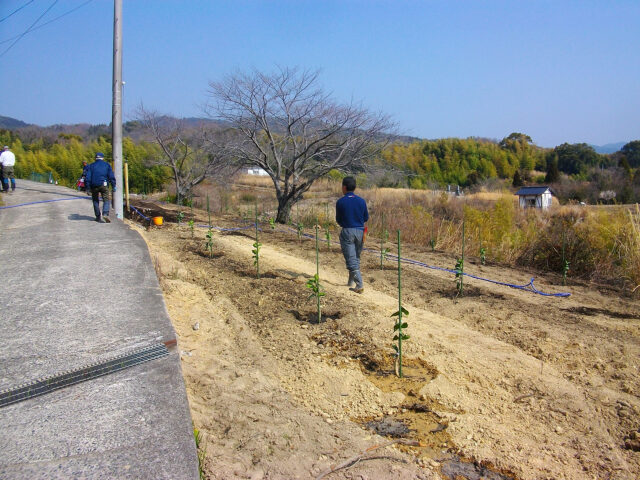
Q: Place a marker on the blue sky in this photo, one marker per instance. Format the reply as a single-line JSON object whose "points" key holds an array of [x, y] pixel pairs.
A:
{"points": [[559, 71]]}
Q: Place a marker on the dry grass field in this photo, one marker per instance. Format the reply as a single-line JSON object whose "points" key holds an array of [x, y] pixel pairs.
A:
{"points": [[500, 383]]}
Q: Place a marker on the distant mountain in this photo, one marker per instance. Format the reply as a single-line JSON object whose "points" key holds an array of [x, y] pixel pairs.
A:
{"points": [[609, 147], [11, 123]]}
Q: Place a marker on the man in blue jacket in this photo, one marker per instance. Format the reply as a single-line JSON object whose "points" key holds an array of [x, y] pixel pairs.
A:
{"points": [[351, 215], [99, 176]]}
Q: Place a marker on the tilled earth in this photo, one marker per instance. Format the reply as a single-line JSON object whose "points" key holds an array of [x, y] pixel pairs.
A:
{"points": [[499, 383]]}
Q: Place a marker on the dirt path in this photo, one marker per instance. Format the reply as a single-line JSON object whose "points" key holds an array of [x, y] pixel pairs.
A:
{"points": [[531, 387]]}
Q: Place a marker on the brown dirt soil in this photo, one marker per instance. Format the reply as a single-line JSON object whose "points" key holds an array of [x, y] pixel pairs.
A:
{"points": [[499, 383]]}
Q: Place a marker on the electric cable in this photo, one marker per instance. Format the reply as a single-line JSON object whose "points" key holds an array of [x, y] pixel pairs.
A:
{"points": [[30, 27], [50, 21], [16, 11]]}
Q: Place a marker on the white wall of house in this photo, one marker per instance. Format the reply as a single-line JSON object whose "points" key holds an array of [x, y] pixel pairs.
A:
{"points": [[536, 201], [257, 171]]}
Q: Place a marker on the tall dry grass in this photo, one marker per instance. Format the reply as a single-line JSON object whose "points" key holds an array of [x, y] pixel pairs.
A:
{"points": [[601, 245], [633, 265]]}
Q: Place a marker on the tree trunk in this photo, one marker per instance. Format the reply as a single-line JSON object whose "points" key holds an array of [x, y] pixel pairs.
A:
{"points": [[284, 209]]}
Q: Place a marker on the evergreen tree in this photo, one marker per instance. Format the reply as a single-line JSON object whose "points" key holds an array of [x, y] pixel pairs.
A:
{"points": [[517, 179], [553, 173]]}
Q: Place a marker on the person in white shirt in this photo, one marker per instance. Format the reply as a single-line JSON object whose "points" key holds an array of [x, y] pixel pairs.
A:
{"points": [[7, 162]]}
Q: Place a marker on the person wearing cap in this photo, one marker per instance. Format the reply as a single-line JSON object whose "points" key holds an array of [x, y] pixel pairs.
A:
{"points": [[99, 176], [351, 215], [7, 162]]}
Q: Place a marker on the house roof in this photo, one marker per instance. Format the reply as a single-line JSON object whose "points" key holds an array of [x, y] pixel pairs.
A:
{"points": [[533, 190]]}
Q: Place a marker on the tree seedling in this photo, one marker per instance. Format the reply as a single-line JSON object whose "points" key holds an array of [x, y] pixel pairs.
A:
{"points": [[209, 236], [314, 282], [191, 222], [483, 255], [399, 336], [299, 228], [256, 248], [432, 241], [180, 216], [565, 262], [209, 243], [327, 236], [272, 223], [459, 268]]}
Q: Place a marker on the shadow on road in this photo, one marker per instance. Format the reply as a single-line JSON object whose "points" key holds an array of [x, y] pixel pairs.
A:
{"points": [[75, 216]]}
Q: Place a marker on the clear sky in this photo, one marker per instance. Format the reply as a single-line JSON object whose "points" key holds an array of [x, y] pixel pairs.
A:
{"points": [[559, 71]]}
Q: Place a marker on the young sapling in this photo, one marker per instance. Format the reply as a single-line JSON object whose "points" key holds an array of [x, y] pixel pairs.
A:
{"points": [[191, 222], [314, 282], [256, 248], [565, 263], [209, 236], [327, 236], [432, 241], [299, 228], [399, 336], [460, 265], [180, 216], [459, 268]]}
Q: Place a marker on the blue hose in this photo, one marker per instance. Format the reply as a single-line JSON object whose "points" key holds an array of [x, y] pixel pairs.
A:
{"points": [[529, 287], [139, 213]]}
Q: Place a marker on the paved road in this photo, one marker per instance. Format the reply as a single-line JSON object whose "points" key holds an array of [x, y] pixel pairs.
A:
{"points": [[74, 292]]}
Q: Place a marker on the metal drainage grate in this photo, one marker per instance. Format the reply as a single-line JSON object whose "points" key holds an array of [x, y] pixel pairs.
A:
{"points": [[95, 370]]}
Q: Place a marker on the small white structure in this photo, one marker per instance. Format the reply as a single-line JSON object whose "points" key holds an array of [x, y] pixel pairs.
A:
{"points": [[535, 197], [257, 171]]}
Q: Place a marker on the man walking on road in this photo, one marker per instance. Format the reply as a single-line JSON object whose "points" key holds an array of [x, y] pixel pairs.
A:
{"points": [[7, 162], [351, 215], [99, 176]]}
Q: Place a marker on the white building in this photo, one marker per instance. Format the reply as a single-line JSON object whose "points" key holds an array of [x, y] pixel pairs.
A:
{"points": [[257, 171], [535, 197]]}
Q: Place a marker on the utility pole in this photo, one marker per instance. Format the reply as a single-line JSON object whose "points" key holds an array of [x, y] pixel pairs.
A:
{"points": [[116, 115]]}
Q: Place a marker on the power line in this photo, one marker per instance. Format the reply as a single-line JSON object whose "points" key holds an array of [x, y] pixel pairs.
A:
{"points": [[16, 11], [31, 26], [47, 23]]}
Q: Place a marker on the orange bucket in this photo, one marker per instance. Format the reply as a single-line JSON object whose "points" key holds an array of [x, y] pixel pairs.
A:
{"points": [[157, 220]]}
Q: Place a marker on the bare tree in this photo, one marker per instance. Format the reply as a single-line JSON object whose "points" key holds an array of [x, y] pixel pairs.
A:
{"points": [[192, 154], [293, 130]]}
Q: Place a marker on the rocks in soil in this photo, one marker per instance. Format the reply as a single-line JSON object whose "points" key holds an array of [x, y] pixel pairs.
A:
{"points": [[632, 441], [388, 427]]}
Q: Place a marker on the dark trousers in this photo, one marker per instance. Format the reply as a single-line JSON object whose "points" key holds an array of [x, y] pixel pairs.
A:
{"points": [[351, 245], [96, 192], [7, 173]]}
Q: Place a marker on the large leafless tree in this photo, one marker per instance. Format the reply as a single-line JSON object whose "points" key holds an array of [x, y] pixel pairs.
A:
{"points": [[292, 129], [191, 153]]}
